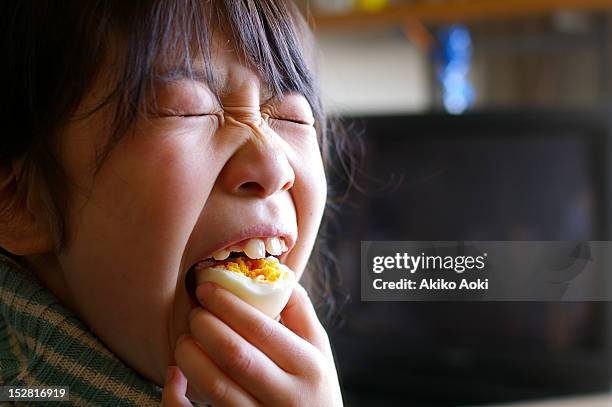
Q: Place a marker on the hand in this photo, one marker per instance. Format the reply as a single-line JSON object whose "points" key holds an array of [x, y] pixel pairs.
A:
{"points": [[237, 356]]}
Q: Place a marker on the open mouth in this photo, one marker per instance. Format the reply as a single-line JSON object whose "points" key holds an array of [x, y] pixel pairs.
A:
{"points": [[245, 252]]}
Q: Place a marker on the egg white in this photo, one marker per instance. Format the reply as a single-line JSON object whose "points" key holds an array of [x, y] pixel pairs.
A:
{"points": [[270, 297]]}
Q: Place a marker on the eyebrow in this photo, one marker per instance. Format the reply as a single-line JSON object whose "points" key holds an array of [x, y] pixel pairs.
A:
{"points": [[219, 84], [200, 75]]}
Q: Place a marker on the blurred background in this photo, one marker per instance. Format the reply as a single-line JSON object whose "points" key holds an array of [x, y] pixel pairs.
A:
{"points": [[476, 120]]}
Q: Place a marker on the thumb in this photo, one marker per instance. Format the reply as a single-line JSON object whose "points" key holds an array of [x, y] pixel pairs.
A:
{"points": [[300, 317], [175, 387]]}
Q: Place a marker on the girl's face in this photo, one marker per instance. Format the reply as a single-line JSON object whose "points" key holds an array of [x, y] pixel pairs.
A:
{"points": [[180, 185]]}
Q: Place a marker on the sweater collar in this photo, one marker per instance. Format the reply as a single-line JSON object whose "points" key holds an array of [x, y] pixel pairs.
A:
{"points": [[43, 343]]}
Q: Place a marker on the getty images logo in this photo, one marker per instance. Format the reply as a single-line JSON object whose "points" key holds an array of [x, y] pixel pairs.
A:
{"points": [[412, 263]]}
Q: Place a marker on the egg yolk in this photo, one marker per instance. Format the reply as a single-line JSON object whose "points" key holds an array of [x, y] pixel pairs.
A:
{"points": [[257, 269]]}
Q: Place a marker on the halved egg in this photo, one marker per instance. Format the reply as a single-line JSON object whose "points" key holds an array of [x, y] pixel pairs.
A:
{"points": [[265, 283]]}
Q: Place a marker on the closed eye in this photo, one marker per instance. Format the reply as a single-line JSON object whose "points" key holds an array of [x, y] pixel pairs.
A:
{"points": [[292, 120], [169, 112], [193, 115]]}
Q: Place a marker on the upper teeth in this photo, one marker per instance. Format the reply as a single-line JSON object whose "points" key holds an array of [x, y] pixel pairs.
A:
{"points": [[274, 246], [255, 248], [221, 254]]}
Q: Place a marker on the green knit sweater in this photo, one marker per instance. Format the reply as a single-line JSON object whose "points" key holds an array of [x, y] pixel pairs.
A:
{"points": [[42, 343]]}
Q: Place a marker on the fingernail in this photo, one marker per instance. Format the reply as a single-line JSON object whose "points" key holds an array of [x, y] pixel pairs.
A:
{"points": [[203, 291], [169, 374]]}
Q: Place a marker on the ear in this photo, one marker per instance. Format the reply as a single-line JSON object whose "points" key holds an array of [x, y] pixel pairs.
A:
{"points": [[24, 229]]}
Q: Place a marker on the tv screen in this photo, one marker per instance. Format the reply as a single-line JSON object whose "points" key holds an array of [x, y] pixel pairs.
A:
{"points": [[511, 176]]}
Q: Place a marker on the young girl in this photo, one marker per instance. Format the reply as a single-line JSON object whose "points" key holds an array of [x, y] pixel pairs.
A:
{"points": [[140, 138]]}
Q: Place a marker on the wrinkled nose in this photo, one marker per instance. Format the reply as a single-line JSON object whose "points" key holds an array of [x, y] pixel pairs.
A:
{"points": [[257, 168]]}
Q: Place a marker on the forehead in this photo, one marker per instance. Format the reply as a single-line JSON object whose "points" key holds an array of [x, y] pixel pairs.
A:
{"points": [[223, 72]]}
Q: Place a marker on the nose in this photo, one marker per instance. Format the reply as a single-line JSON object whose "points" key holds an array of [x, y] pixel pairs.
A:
{"points": [[258, 168]]}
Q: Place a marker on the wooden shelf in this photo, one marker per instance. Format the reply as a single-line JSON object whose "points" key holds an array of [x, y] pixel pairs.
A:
{"points": [[450, 11]]}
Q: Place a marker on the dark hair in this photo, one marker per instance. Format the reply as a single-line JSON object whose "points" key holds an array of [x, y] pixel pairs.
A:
{"points": [[53, 53]]}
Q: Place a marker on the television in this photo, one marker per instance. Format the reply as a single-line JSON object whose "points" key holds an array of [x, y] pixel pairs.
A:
{"points": [[537, 175]]}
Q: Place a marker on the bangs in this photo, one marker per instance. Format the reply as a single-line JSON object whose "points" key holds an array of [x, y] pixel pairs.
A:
{"points": [[156, 41], [58, 52]]}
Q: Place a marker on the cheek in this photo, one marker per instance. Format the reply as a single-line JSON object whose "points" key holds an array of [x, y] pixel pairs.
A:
{"points": [[309, 164], [312, 177], [305, 157], [309, 195], [128, 236], [148, 193]]}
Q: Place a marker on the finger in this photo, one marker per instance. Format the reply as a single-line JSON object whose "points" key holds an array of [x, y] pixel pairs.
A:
{"points": [[239, 359], [208, 381], [282, 346], [300, 317], [173, 394]]}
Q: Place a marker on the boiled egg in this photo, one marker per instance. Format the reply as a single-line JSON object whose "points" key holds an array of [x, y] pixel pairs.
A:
{"points": [[264, 283]]}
